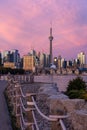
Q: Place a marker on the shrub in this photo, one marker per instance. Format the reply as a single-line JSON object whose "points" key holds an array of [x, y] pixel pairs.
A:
{"points": [[76, 84], [77, 89], [84, 96], [75, 93]]}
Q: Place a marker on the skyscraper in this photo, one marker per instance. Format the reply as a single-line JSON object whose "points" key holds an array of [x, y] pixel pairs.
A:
{"points": [[42, 59], [59, 62], [11, 56], [82, 58], [51, 39], [28, 62], [14, 56], [55, 61], [33, 52], [5, 56]]}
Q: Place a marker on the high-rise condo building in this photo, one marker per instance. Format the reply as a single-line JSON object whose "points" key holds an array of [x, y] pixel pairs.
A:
{"points": [[6, 56], [12, 56], [47, 60], [55, 60], [42, 58], [15, 57], [33, 52], [82, 58], [59, 62]]}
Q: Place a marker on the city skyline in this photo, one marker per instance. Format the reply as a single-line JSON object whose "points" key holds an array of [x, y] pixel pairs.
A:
{"points": [[9, 53], [25, 25]]}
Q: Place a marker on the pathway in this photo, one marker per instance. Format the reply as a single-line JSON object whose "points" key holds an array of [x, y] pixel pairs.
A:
{"points": [[5, 123]]}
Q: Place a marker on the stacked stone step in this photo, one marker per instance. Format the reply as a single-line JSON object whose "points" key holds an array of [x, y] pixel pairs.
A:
{"points": [[32, 108], [13, 95], [27, 115]]}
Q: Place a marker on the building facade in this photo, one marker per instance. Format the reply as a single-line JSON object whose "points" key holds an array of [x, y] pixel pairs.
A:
{"points": [[59, 62], [28, 63], [12, 56], [82, 58], [9, 65]]}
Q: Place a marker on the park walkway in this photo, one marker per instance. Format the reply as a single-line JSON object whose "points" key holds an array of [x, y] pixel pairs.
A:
{"points": [[5, 123]]}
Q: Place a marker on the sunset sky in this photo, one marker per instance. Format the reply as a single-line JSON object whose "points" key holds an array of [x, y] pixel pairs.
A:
{"points": [[25, 24]]}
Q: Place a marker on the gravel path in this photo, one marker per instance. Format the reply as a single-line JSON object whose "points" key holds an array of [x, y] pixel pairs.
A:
{"points": [[5, 123]]}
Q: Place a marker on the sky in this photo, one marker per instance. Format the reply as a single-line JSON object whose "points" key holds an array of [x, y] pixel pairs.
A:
{"points": [[25, 25]]}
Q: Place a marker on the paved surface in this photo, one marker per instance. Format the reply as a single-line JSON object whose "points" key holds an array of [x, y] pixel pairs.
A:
{"points": [[5, 123]]}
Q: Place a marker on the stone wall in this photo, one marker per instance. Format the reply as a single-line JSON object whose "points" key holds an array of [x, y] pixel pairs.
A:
{"points": [[60, 104]]}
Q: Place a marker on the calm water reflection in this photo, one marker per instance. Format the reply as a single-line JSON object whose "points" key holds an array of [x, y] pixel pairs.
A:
{"points": [[62, 81]]}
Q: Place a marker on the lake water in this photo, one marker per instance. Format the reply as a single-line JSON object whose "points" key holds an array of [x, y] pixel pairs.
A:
{"points": [[62, 80]]}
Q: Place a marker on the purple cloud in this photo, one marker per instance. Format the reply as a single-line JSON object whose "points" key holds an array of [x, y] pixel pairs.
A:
{"points": [[25, 24]]}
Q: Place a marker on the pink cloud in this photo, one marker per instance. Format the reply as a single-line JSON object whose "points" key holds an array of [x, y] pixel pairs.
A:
{"points": [[25, 24]]}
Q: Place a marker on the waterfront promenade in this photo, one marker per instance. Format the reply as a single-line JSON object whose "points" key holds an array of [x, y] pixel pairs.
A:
{"points": [[5, 123]]}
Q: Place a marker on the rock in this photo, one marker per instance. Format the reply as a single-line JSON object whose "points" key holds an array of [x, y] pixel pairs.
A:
{"points": [[50, 101]]}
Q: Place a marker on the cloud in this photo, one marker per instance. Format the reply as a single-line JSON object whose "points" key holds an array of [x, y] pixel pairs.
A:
{"points": [[25, 24]]}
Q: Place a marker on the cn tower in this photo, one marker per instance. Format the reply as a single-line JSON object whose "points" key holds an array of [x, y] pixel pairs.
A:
{"points": [[51, 39]]}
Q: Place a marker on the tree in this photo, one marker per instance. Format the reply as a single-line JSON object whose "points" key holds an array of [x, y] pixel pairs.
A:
{"points": [[76, 88], [76, 84]]}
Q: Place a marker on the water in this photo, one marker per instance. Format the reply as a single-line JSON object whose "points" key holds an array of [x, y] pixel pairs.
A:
{"points": [[62, 81]]}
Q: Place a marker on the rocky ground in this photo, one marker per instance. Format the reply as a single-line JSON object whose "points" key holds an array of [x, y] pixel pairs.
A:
{"points": [[41, 102], [45, 94], [51, 101]]}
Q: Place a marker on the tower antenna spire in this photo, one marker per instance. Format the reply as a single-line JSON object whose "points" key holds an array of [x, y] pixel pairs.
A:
{"points": [[51, 23], [50, 28], [51, 39]]}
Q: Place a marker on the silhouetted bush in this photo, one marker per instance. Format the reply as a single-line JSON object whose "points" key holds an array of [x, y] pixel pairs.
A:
{"points": [[84, 96], [77, 89], [76, 84]]}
